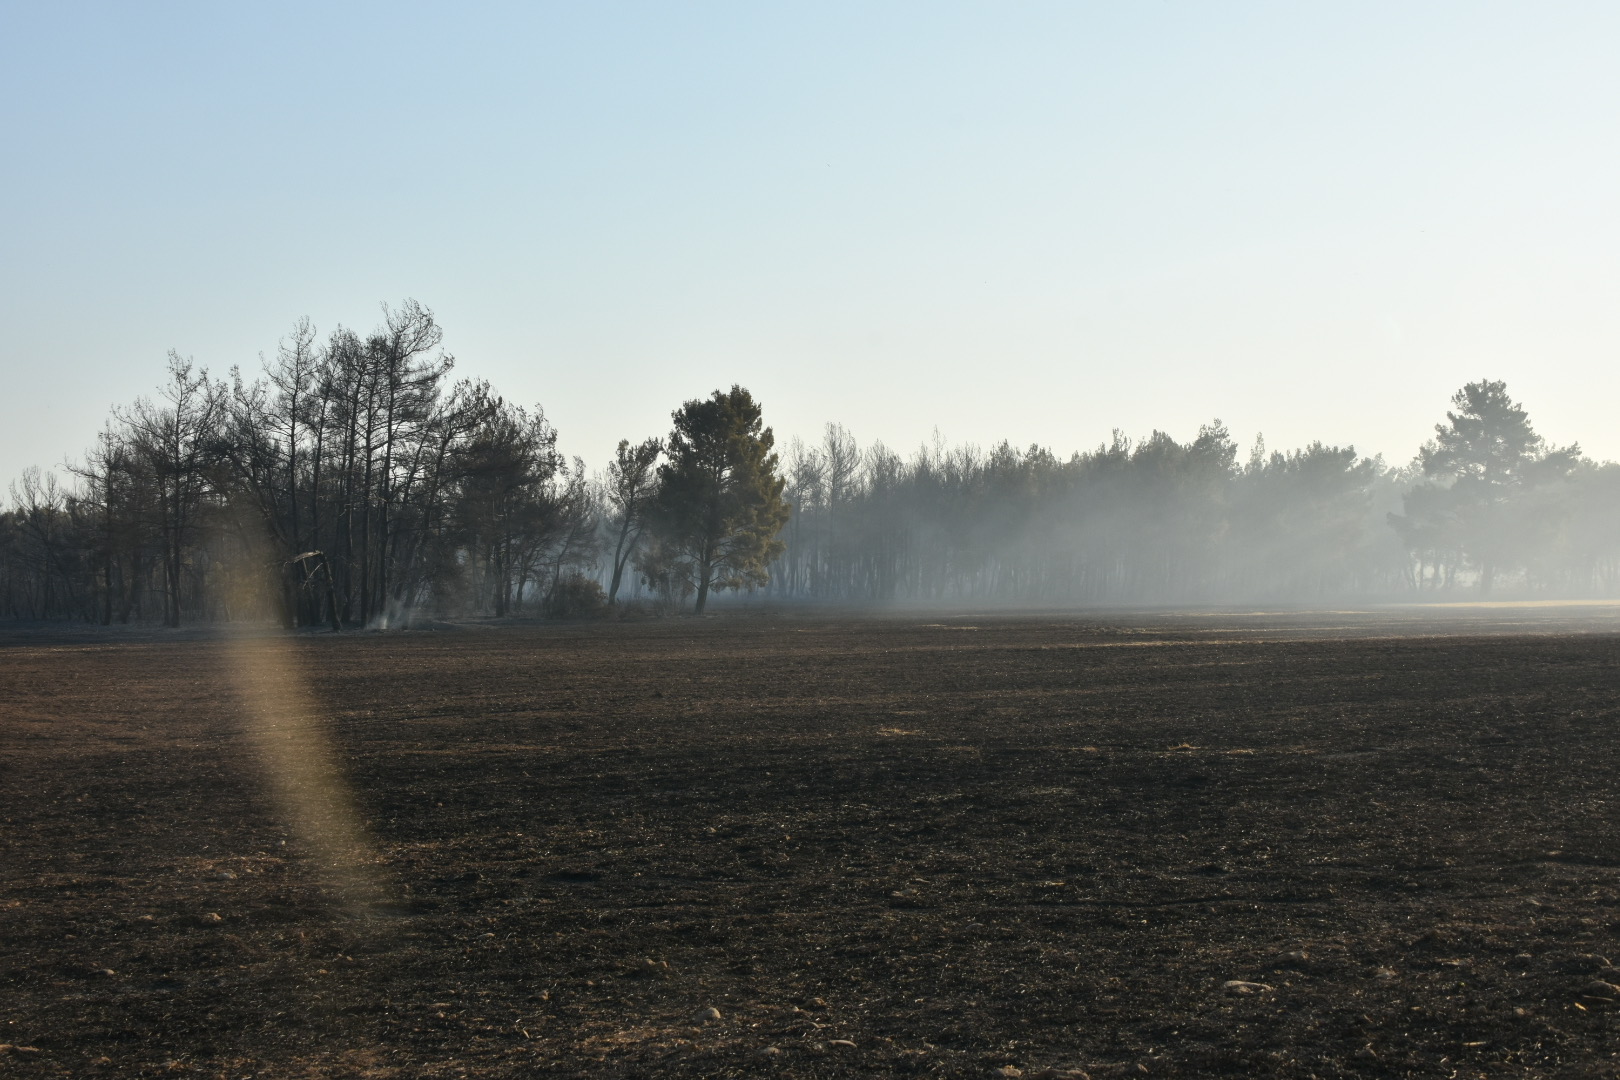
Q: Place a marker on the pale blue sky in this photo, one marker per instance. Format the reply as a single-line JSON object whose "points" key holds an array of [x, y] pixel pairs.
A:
{"points": [[1032, 221]]}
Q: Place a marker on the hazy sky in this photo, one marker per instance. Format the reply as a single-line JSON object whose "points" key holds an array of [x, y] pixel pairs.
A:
{"points": [[1037, 222]]}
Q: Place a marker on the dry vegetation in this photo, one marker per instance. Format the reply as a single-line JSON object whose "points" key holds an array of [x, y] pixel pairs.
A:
{"points": [[1241, 845]]}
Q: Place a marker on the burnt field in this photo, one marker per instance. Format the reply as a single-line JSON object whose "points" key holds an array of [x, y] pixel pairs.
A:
{"points": [[1248, 846]]}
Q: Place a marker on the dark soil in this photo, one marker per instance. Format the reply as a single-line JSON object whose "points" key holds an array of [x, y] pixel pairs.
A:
{"points": [[875, 847]]}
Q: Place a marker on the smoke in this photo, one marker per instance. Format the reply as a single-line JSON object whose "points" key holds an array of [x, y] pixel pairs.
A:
{"points": [[1157, 522]]}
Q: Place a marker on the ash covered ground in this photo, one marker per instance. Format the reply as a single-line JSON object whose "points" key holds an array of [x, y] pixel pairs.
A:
{"points": [[1248, 844]]}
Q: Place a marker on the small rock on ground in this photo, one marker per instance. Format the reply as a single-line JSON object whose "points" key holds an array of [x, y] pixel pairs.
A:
{"points": [[1241, 986]]}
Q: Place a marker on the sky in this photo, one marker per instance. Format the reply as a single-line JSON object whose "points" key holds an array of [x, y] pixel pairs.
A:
{"points": [[1034, 222]]}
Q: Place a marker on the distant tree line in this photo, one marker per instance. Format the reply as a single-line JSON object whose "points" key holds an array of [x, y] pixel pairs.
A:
{"points": [[1158, 521], [1154, 521], [354, 482]]}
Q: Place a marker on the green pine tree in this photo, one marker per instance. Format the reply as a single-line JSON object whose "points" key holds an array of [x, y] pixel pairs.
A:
{"points": [[720, 506]]}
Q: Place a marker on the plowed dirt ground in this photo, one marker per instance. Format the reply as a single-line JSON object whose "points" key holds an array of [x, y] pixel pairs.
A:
{"points": [[1248, 845]]}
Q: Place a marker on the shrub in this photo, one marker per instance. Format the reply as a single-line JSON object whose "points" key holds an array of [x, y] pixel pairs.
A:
{"points": [[577, 597]]}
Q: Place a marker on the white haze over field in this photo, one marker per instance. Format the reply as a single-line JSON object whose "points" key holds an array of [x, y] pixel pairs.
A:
{"points": [[1036, 222]]}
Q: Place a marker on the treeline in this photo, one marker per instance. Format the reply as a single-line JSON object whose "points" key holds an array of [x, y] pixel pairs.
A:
{"points": [[1486, 505], [354, 472], [355, 482], [1153, 521]]}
